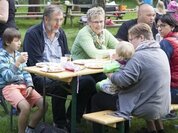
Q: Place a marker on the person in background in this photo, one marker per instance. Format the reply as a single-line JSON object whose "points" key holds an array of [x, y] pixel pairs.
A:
{"points": [[141, 94], [139, 2], [93, 40], [168, 29], [172, 7], [146, 14], [166, 2], [7, 16], [160, 9], [18, 88], [47, 42]]}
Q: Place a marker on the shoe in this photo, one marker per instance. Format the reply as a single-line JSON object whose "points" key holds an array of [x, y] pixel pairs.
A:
{"points": [[142, 130], [77, 130], [63, 129], [29, 130], [171, 116]]}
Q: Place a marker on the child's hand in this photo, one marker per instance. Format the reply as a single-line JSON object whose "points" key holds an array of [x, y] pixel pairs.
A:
{"points": [[29, 91], [22, 58], [109, 75]]}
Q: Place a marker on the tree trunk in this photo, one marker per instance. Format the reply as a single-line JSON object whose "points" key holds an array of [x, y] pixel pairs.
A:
{"points": [[34, 9]]}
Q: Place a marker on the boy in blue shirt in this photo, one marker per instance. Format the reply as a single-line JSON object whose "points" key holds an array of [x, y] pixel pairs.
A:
{"points": [[17, 84]]}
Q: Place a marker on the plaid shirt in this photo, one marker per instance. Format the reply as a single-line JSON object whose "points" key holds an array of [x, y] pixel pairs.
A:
{"points": [[9, 73]]}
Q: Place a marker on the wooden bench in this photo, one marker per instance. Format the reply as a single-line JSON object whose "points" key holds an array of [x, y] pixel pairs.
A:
{"points": [[26, 14], [113, 26], [107, 118]]}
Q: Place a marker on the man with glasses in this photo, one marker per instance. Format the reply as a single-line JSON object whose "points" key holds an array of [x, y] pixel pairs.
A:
{"points": [[47, 42], [146, 14]]}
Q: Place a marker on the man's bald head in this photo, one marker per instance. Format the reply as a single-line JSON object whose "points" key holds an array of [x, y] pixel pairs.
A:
{"points": [[146, 14]]}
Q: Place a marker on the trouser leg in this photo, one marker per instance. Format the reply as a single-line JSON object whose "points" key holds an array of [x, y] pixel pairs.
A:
{"points": [[86, 89], [102, 101]]}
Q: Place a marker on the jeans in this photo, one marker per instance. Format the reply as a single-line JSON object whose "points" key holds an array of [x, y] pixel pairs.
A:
{"points": [[174, 95]]}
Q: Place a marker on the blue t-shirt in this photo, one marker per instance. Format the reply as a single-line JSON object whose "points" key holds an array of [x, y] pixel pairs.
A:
{"points": [[148, 2]]}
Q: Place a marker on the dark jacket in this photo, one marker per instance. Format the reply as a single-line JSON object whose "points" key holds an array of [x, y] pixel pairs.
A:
{"points": [[122, 32], [11, 19], [34, 44]]}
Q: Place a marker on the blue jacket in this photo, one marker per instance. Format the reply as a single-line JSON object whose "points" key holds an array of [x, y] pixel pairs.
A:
{"points": [[9, 73]]}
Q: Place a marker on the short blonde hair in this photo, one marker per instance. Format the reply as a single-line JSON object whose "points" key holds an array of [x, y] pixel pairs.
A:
{"points": [[141, 29], [125, 50], [95, 12], [160, 7]]}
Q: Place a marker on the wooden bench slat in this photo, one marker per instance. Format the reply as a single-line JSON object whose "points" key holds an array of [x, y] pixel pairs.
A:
{"points": [[103, 117], [174, 106], [114, 25], [29, 13], [106, 118], [28, 16]]}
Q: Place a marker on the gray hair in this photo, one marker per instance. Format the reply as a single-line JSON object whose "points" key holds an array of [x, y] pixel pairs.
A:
{"points": [[95, 12], [51, 9]]}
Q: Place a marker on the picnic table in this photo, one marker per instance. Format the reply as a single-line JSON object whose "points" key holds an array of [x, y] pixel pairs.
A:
{"points": [[69, 77]]}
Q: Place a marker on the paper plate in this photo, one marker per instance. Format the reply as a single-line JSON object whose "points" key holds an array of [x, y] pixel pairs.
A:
{"points": [[52, 69], [80, 62], [45, 64], [94, 65]]}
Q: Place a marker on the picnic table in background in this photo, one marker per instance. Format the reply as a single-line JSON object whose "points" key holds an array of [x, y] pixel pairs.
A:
{"points": [[27, 14]]}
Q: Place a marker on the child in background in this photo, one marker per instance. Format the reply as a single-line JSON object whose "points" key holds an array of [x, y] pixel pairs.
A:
{"points": [[124, 51], [173, 7], [17, 84]]}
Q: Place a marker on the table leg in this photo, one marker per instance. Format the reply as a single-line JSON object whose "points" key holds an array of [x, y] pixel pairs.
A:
{"points": [[66, 14], [74, 104], [44, 97]]}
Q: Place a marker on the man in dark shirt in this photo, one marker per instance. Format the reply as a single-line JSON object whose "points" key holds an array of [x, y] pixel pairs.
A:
{"points": [[146, 14], [47, 42]]}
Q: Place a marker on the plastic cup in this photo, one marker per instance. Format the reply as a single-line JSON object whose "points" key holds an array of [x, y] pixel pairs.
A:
{"points": [[24, 54], [99, 56], [63, 61], [68, 57]]}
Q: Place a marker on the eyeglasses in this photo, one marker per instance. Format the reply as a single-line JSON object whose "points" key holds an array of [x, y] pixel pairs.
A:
{"points": [[97, 22], [161, 26], [131, 39]]}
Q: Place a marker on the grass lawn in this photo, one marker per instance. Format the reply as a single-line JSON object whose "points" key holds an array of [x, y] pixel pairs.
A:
{"points": [[71, 32]]}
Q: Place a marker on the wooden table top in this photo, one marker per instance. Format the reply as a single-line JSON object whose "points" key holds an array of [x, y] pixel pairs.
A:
{"points": [[65, 76]]}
